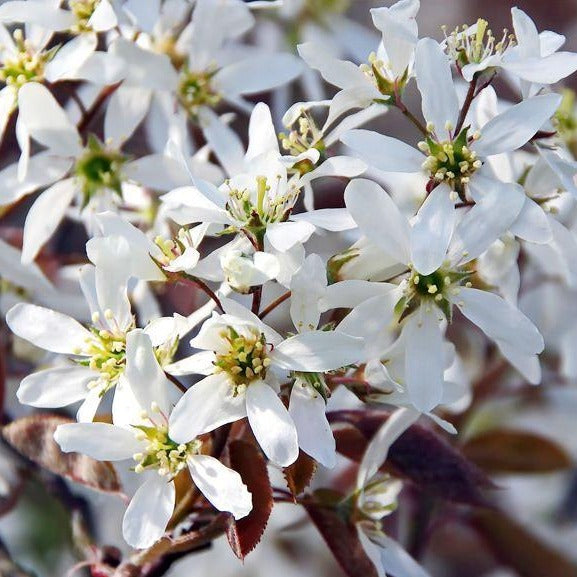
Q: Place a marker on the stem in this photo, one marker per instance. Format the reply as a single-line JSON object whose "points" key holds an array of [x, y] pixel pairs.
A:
{"points": [[96, 106], [420, 126], [256, 298], [419, 534], [176, 382], [187, 279], [466, 105], [79, 103], [267, 310]]}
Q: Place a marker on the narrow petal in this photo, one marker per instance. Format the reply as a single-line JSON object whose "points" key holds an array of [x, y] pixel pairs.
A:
{"points": [[377, 451], [548, 70], [47, 329], [333, 219], [199, 364], [259, 73], [126, 109], [44, 217], [46, 121], [532, 224], [500, 320], [336, 166], [222, 486], [435, 82], [307, 409], [498, 205], [424, 359], [207, 405], [70, 57], [379, 218], [383, 152], [514, 127], [432, 231], [262, 137], [41, 14], [284, 235], [56, 387], [317, 351], [271, 424], [100, 441], [149, 511]]}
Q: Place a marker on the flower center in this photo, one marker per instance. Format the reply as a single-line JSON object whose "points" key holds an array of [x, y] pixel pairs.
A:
{"points": [[246, 358], [467, 47], [379, 72], [82, 10], [195, 90], [304, 136], [161, 452], [99, 169], [24, 66], [451, 161], [260, 206], [436, 288]]}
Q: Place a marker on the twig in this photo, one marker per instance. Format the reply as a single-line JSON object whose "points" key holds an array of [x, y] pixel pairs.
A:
{"points": [[267, 310]]}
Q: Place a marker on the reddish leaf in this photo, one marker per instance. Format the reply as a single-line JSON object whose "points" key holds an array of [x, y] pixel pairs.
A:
{"points": [[419, 454], [503, 451], [343, 541], [245, 534], [32, 436], [516, 547], [300, 474]]}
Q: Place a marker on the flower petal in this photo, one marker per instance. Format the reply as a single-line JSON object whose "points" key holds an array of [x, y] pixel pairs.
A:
{"points": [[222, 486], [307, 409], [47, 329], [149, 511], [271, 424], [284, 235], [207, 405]]}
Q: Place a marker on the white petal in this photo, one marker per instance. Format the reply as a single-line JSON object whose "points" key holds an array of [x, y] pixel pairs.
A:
{"points": [[336, 166], [103, 18], [222, 486], [532, 224], [424, 359], [56, 387], [47, 329], [45, 215], [307, 409], [435, 82], [284, 235], [383, 152], [100, 441], [337, 72], [126, 109], [262, 137], [333, 219], [87, 410], [46, 122], [498, 205], [8, 100], [271, 424], [317, 351], [499, 320], [27, 276], [70, 57], [199, 364], [351, 293], [223, 140], [100, 68], [38, 13], [527, 365], [377, 450], [206, 406], [260, 73], [349, 98], [432, 231], [546, 70], [149, 511], [379, 218], [143, 373], [514, 127]]}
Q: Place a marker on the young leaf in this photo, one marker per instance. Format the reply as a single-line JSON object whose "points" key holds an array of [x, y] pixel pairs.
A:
{"points": [[245, 534], [508, 451], [299, 475], [33, 437]]}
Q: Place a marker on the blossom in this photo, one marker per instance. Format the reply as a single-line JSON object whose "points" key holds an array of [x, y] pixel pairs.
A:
{"points": [[143, 432], [437, 255], [245, 361]]}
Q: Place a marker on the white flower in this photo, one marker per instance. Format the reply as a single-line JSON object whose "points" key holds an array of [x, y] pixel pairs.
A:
{"points": [[244, 359], [436, 254], [100, 354], [143, 432]]}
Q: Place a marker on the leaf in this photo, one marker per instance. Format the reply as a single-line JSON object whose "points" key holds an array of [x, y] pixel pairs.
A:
{"points": [[420, 455], [518, 548], [300, 474], [32, 436], [245, 534], [342, 538], [508, 451]]}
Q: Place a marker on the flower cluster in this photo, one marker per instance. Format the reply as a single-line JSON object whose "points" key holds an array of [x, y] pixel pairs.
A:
{"points": [[223, 295]]}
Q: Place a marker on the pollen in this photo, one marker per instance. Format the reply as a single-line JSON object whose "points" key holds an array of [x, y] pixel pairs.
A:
{"points": [[25, 65]]}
